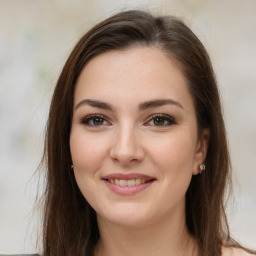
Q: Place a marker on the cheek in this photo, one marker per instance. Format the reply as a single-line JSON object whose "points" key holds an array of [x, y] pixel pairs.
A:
{"points": [[87, 151], [174, 152]]}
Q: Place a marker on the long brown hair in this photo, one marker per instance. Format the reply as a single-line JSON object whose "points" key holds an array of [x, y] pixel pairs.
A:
{"points": [[70, 226]]}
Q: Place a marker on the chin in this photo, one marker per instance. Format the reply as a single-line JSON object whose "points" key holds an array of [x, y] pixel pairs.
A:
{"points": [[126, 216]]}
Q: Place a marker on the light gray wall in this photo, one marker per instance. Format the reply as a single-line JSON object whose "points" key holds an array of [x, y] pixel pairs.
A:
{"points": [[35, 40]]}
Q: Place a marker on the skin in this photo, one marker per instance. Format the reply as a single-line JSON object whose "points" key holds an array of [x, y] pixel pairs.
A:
{"points": [[128, 140]]}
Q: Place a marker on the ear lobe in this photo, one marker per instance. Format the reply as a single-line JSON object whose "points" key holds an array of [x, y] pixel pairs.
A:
{"points": [[201, 150]]}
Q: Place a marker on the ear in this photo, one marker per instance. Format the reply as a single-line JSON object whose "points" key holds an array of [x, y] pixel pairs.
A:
{"points": [[201, 150]]}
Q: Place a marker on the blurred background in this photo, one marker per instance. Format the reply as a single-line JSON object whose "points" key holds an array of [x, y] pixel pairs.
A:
{"points": [[36, 37]]}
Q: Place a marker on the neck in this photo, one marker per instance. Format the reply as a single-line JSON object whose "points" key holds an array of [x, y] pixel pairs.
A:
{"points": [[167, 237]]}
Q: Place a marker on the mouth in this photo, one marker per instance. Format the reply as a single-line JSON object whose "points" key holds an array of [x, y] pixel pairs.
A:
{"points": [[128, 184]]}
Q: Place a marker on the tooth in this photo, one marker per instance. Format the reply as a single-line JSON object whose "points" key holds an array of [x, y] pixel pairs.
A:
{"points": [[131, 183], [123, 183], [138, 181], [117, 182], [112, 181], [143, 181]]}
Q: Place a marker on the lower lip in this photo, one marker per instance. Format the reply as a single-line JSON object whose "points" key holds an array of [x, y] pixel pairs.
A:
{"points": [[128, 190]]}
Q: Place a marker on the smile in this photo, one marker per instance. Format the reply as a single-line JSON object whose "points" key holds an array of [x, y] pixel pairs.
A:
{"points": [[132, 182], [127, 184]]}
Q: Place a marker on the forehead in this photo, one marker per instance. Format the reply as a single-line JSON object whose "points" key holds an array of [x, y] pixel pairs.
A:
{"points": [[135, 73]]}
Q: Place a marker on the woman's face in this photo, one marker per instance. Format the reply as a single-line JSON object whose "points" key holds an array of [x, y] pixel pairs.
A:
{"points": [[133, 140]]}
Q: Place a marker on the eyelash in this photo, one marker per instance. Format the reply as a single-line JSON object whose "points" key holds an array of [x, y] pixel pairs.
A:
{"points": [[86, 120], [167, 118], [89, 118]]}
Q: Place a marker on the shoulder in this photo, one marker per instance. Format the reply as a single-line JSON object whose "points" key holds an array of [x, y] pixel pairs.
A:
{"points": [[231, 251]]}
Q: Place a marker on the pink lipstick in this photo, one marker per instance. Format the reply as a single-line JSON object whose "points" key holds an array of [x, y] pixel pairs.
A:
{"points": [[127, 184]]}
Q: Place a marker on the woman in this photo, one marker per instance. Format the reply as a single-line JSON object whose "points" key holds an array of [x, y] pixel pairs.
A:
{"points": [[136, 148]]}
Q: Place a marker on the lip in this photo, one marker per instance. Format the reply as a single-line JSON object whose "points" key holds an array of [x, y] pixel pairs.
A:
{"points": [[128, 190], [129, 176]]}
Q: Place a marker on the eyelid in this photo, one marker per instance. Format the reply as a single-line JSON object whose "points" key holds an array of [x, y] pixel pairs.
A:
{"points": [[167, 117], [87, 118]]}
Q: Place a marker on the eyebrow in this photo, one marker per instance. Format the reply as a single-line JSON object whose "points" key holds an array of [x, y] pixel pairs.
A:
{"points": [[158, 103], [95, 103], [142, 106]]}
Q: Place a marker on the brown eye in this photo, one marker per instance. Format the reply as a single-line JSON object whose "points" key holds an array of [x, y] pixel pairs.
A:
{"points": [[94, 120], [97, 121], [161, 120]]}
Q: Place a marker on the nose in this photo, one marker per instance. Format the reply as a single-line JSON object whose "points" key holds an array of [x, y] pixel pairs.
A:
{"points": [[127, 146]]}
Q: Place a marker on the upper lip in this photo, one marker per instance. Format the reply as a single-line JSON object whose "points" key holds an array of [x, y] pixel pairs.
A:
{"points": [[128, 176]]}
